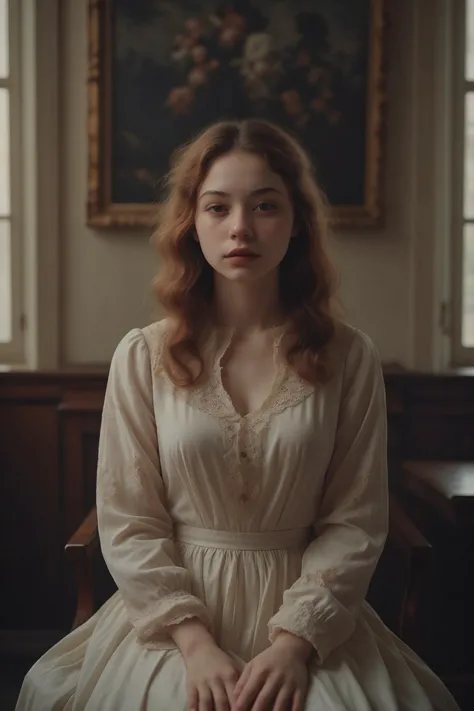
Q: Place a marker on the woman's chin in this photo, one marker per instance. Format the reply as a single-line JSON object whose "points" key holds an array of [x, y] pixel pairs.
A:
{"points": [[243, 274]]}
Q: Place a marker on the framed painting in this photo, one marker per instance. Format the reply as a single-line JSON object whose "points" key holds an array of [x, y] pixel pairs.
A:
{"points": [[161, 70]]}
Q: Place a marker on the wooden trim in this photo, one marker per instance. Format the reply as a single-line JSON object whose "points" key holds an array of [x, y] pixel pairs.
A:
{"points": [[80, 551]]}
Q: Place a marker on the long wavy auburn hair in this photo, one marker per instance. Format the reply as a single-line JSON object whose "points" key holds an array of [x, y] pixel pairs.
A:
{"points": [[184, 284]]}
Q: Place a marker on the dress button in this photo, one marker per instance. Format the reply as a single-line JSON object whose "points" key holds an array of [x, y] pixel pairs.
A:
{"points": [[244, 498], [243, 455]]}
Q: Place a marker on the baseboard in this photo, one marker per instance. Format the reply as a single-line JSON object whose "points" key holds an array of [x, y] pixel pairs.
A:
{"points": [[28, 643]]}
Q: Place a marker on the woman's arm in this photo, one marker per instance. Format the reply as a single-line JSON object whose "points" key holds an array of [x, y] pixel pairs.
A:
{"points": [[135, 529], [191, 636], [352, 522]]}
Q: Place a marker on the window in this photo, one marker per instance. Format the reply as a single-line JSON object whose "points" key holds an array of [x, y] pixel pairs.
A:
{"points": [[10, 274], [463, 183], [5, 221]]}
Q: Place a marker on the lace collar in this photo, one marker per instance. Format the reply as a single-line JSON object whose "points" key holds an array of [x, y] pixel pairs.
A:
{"points": [[243, 436]]}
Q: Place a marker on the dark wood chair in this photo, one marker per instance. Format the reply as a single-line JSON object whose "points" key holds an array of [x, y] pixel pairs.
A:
{"points": [[396, 590]]}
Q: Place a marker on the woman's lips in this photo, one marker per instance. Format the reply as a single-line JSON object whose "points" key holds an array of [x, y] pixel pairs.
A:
{"points": [[241, 259]]}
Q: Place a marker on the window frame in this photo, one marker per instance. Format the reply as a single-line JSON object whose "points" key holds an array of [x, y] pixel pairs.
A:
{"points": [[13, 351], [461, 355]]}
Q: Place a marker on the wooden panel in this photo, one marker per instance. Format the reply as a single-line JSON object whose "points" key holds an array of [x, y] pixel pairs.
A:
{"points": [[49, 430], [438, 434], [438, 420], [79, 447], [29, 523]]}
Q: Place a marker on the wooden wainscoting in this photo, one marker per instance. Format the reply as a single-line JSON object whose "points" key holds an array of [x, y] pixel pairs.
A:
{"points": [[49, 431]]}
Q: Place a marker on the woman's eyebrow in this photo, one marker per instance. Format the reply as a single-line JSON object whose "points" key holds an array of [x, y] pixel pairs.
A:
{"points": [[222, 193]]}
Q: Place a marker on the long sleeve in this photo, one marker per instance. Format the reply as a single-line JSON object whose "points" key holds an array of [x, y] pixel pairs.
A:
{"points": [[135, 528], [352, 520]]}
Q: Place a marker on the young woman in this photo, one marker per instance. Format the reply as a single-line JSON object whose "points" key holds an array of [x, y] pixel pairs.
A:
{"points": [[242, 484]]}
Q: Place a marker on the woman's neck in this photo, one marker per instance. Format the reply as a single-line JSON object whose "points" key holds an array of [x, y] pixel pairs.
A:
{"points": [[247, 306]]}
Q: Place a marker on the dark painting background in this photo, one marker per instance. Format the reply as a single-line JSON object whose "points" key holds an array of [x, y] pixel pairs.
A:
{"points": [[179, 65]]}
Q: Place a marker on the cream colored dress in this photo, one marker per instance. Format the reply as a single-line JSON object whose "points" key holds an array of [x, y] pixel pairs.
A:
{"points": [[253, 524]]}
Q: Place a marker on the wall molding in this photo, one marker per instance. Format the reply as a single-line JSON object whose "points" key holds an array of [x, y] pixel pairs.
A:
{"points": [[41, 179], [431, 205]]}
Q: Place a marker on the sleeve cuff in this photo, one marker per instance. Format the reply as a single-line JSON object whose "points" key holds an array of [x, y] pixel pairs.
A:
{"points": [[172, 609], [322, 621]]}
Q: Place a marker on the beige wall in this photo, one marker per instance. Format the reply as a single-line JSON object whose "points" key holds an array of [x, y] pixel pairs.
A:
{"points": [[105, 275]]}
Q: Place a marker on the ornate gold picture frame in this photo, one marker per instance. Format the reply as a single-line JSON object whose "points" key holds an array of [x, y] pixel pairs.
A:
{"points": [[158, 73]]}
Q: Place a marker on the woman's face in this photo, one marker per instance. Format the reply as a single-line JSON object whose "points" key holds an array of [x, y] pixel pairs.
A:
{"points": [[244, 217]]}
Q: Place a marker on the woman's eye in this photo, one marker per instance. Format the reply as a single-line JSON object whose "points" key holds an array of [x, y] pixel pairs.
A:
{"points": [[266, 206], [216, 209]]}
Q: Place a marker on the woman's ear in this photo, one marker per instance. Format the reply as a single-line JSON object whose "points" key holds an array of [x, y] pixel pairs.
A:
{"points": [[295, 230], [194, 235]]}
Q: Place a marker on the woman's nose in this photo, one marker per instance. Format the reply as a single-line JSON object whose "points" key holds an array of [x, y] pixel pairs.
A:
{"points": [[240, 225]]}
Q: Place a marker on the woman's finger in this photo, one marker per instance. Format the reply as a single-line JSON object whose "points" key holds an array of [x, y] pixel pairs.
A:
{"points": [[205, 699], [193, 699], [297, 701], [263, 702], [249, 693], [230, 690], [219, 693], [243, 679], [284, 699]]}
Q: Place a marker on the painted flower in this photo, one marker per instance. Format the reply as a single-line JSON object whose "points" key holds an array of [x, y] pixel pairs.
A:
{"points": [[180, 99], [319, 104], [199, 54], [259, 65], [258, 47], [194, 27], [229, 37], [183, 45], [197, 76], [292, 103], [235, 20], [231, 28]]}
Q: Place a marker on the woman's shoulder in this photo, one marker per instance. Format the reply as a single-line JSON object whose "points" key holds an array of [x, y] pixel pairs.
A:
{"points": [[155, 333], [141, 344], [352, 349]]}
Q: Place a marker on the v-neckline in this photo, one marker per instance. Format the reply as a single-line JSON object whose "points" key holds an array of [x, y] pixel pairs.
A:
{"points": [[280, 368]]}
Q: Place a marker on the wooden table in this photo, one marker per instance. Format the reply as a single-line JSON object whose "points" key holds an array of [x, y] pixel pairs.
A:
{"points": [[446, 487]]}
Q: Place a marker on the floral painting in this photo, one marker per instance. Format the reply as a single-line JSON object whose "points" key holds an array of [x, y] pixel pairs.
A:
{"points": [[162, 70]]}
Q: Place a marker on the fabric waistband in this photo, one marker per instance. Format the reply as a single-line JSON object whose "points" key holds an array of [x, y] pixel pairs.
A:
{"points": [[237, 540]]}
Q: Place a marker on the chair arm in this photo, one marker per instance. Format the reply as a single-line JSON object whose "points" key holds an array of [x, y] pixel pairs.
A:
{"points": [[404, 536], [80, 551]]}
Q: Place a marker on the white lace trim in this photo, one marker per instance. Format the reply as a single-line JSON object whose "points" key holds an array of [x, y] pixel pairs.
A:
{"points": [[174, 607], [211, 397], [323, 578], [323, 622]]}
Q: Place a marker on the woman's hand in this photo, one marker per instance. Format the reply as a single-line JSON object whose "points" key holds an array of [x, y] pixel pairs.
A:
{"points": [[276, 679], [211, 678], [210, 674]]}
